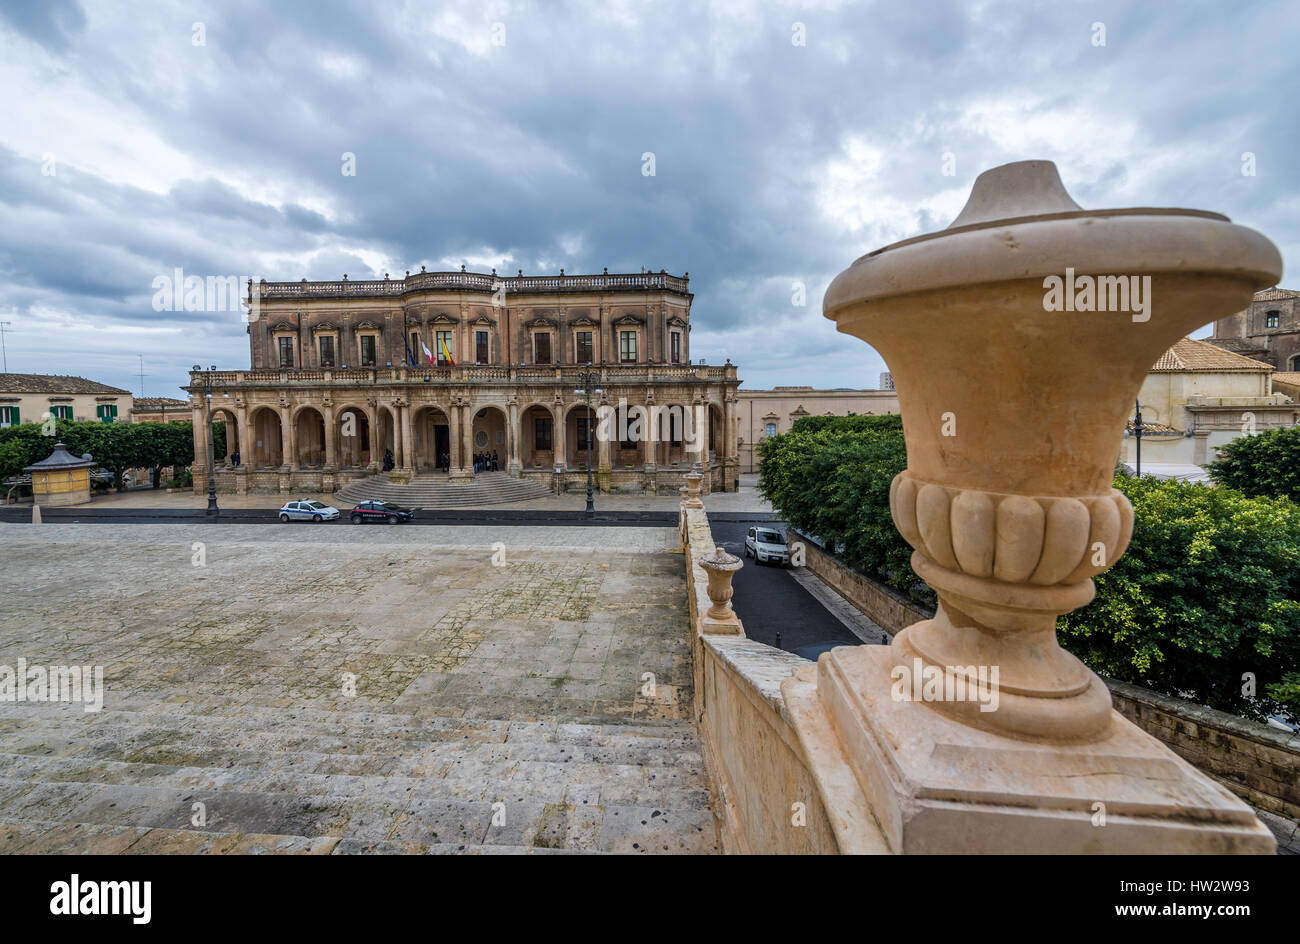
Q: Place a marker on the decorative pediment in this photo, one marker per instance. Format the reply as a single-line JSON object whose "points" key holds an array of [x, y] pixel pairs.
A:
{"points": [[582, 321], [771, 415], [443, 318], [678, 322], [283, 326], [484, 320], [540, 322], [324, 326], [799, 411], [630, 320], [365, 324]]}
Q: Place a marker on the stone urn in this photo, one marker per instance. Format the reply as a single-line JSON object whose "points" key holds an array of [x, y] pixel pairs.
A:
{"points": [[1018, 339], [693, 482], [720, 567]]}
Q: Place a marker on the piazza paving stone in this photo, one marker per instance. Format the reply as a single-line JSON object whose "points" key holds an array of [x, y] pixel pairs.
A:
{"points": [[338, 690]]}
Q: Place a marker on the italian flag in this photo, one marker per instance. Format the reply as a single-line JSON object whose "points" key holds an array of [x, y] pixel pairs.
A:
{"points": [[428, 354]]}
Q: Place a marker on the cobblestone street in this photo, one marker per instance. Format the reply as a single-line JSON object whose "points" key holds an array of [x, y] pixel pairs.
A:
{"points": [[352, 689]]}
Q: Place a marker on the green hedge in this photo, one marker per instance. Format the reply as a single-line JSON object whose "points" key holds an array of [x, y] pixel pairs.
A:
{"points": [[1264, 465], [115, 446], [1205, 593]]}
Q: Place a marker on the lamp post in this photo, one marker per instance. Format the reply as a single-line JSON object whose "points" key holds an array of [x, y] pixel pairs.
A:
{"points": [[1137, 432], [207, 400], [587, 377]]}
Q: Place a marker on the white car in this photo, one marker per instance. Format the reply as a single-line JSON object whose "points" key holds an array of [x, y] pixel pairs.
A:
{"points": [[766, 544], [308, 511]]}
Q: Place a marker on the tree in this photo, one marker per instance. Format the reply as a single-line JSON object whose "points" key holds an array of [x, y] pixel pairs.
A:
{"points": [[1267, 464]]}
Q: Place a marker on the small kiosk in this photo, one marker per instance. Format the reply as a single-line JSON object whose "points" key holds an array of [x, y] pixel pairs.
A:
{"points": [[62, 479]]}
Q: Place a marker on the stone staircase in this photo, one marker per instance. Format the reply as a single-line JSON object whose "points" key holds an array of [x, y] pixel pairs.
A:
{"points": [[328, 782], [432, 490]]}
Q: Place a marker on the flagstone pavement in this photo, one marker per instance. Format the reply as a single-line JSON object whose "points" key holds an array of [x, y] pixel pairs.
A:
{"points": [[299, 688]]}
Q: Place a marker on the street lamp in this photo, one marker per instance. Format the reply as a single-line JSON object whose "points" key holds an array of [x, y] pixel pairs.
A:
{"points": [[1137, 432], [207, 399], [587, 377]]}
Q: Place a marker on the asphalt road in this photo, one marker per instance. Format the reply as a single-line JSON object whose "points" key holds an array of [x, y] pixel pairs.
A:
{"points": [[769, 601]]}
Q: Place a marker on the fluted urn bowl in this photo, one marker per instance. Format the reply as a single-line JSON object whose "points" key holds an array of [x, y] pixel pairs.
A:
{"points": [[1018, 339]]}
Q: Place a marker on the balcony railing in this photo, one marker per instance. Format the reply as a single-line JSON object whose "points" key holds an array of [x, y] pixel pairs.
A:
{"points": [[475, 282], [569, 376]]}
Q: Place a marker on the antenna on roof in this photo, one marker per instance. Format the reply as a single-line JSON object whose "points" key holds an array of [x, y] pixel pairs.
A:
{"points": [[3, 351], [141, 356]]}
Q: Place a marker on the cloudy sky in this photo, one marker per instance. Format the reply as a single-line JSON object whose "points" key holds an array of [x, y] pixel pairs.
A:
{"points": [[137, 138]]}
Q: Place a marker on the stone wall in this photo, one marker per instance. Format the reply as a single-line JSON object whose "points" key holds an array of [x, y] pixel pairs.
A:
{"points": [[766, 800], [1258, 763]]}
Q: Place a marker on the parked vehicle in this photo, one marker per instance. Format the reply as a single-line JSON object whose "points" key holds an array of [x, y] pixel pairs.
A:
{"points": [[308, 511], [381, 511], [766, 544]]}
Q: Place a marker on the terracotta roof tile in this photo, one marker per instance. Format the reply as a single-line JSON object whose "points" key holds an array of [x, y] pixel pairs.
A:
{"points": [[53, 383], [1190, 354]]}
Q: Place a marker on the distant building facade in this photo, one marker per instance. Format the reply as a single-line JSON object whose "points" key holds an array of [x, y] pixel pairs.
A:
{"points": [[160, 410], [29, 398], [1267, 331], [766, 413], [332, 391], [1198, 397]]}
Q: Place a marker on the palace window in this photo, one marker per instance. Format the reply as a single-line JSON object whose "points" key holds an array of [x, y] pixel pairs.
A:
{"points": [[542, 432], [770, 430], [1272, 319], [542, 347], [481, 347], [61, 411], [368, 350], [583, 353], [9, 416], [627, 347], [417, 355], [444, 348], [327, 350], [675, 347], [107, 412], [286, 352]]}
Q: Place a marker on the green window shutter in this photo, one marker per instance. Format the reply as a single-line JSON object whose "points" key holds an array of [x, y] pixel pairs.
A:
{"points": [[113, 407], [13, 415]]}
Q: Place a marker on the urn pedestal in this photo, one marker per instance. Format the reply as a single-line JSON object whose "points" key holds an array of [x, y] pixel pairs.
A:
{"points": [[1017, 339]]}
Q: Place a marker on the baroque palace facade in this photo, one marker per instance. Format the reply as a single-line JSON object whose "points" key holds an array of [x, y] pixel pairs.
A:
{"points": [[332, 387]]}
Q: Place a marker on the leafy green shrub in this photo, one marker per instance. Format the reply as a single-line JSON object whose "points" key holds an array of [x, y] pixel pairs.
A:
{"points": [[1206, 592], [830, 477], [1267, 464], [115, 446]]}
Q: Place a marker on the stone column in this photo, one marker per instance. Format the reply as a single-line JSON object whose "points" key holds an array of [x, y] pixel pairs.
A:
{"points": [[330, 433], [976, 728], [408, 439], [514, 464], [288, 440], [461, 435], [558, 440]]}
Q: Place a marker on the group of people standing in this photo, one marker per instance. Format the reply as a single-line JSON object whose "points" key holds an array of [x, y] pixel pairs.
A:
{"points": [[486, 462]]}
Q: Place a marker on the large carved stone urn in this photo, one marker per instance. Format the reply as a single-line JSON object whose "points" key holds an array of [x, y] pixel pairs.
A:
{"points": [[1017, 339]]}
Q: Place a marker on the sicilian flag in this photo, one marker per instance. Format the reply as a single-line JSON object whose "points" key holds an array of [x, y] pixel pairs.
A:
{"points": [[446, 353], [428, 354]]}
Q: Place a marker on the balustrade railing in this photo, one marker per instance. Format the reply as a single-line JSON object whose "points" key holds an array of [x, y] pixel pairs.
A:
{"points": [[566, 375], [477, 282]]}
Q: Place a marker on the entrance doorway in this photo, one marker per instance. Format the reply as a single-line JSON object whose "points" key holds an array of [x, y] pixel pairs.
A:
{"points": [[442, 446]]}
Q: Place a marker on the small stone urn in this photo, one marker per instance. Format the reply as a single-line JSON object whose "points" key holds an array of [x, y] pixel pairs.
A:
{"points": [[693, 482], [721, 567]]}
